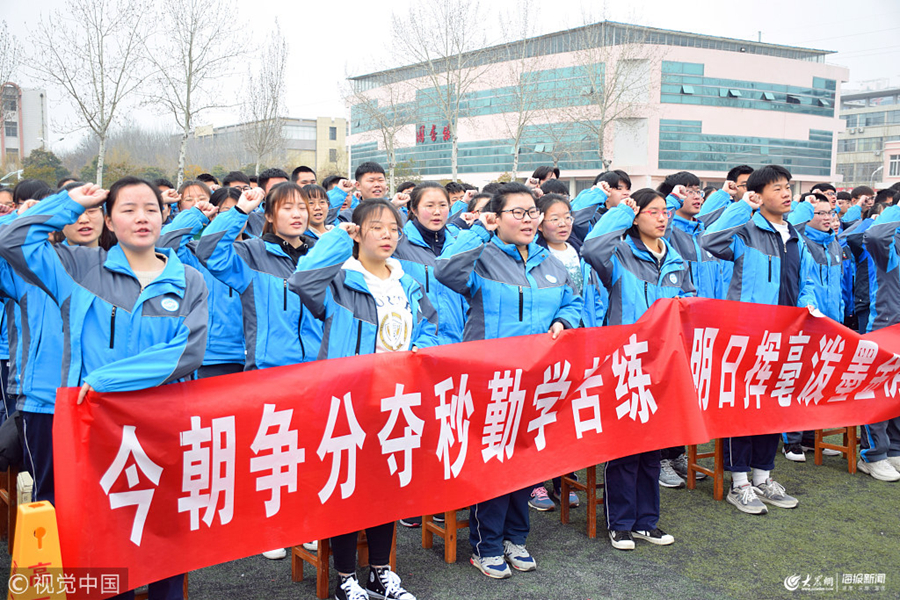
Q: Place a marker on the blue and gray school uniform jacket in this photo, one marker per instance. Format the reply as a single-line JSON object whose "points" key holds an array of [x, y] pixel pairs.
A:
{"points": [[883, 243], [826, 270], [766, 270], [684, 236], [342, 299], [117, 336], [458, 207], [634, 278], [864, 283], [37, 342], [278, 331], [801, 212], [713, 207], [4, 336], [225, 337], [853, 214], [336, 198], [418, 262], [587, 208], [848, 274], [507, 296]]}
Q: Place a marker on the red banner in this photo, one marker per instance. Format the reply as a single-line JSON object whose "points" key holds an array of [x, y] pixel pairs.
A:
{"points": [[177, 478]]}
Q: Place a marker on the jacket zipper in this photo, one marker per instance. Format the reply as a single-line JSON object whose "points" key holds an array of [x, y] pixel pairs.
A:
{"points": [[112, 328], [646, 295], [427, 286], [770, 269], [521, 303], [358, 336], [300, 331], [230, 291], [285, 294]]}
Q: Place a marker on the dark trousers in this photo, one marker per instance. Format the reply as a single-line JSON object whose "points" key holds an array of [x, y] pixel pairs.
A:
{"points": [[380, 539], [38, 453], [880, 440], [751, 452], [222, 369], [671, 453], [631, 492], [9, 401], [171, 588], [863, 317], [502, 518]]}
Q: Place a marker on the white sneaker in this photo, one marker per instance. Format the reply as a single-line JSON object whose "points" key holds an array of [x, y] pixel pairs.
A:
{"points": [[894, 462], [881, 470], [275, 554], [825, 451], [311, 546]]}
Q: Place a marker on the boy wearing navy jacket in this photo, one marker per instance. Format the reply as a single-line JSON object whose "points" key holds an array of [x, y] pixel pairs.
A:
{"points": [[771, 266]]}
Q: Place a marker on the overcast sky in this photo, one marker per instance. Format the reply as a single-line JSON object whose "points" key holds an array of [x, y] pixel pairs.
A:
{"points": [[331, 39]]}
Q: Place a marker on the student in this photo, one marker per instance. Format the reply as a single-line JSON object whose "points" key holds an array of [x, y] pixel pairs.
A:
{"points": [[370, 184], [277, 330], [457, 194], [734, 188], [320, 213], [225, 340], [303, 176], [464, 219], [209, 180], [369, 306], [685, 200], [554, 234], [191, 192], [159, 334], [880, 454], [862, 198], [266, 180], [865, 285], [332, 180], [425, 237], [825, 271], [771, 266], [636, 264], [589, 205], [236, 179], [496, 264], [542, 174]]}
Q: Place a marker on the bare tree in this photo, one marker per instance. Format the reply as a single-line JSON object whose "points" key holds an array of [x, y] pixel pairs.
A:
{"points": [[443, 40], [10, 54], [189, 56], [263, 105], [93, 50], [385, 111], [615, 64]]}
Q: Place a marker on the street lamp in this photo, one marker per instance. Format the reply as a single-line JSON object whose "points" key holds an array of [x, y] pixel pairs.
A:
{"points": [[18, 175], [872, 178]]}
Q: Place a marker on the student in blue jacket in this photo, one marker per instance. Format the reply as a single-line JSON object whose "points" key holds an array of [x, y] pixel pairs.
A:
{"points": [[225, 339], [319, 211], [425, 236], [880, 455], [135, 316], [369, 306], [771, 266], [628, 251], [514, 287]]}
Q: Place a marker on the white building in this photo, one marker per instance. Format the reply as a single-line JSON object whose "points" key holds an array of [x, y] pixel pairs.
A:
{"points": [[24, 113]]}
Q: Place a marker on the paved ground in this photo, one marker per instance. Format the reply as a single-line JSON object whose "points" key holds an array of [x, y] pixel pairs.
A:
{"points": [[844, 525]]}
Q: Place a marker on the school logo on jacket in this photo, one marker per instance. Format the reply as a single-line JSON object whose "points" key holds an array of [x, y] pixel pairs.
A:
{"points": [[170, 304], [673, 278], [393, 331], [550, 278]]}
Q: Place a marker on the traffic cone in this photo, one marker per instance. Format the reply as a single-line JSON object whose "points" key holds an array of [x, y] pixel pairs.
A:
{"points": [[36, 558]]}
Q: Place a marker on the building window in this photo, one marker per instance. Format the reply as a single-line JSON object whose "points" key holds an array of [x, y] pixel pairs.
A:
{"points": [[687, 89], [895, 165], [793, 99], [9, 105], [734, 93], [12, 155], [768, 96], [846, 145], [332, 133], [12, 129], [332, 154]]}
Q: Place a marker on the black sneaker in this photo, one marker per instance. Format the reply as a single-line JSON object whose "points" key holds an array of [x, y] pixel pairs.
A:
{"points": [[384, 584], [349, 589], [794, 452], [438, 518], [654, 536], [411, 522], [621, 540]]}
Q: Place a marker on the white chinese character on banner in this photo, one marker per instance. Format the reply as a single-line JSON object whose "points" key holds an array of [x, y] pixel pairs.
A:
{"points": [[546, 395], [628, 367], [141, 498], [888, 375], [501, 421], [208, 471], [336, 446], [790, 369], [281, 463], [454, 417], [858, 371], [586, 401], [766, 354], [701, 362], [728, 381], [412, 431], [831, 350]]}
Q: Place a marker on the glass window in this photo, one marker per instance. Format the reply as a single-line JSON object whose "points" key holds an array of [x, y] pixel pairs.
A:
{"points": [[687, 89], [895, 165], [9, 105], [11, 129], [332, 133], [769, 96], [846, 146], [732, 93], [874, 119], [332, 154], [791, 99]]}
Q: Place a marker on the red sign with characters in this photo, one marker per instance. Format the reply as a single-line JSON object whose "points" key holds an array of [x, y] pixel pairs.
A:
{"points": [[424, 132], [184, 476]]}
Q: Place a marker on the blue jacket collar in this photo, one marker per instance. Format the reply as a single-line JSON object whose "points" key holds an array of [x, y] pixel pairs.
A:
{"points": [[819, 237], [414, 236], [536, 253], [694, 227], [763, 223], [672, 260], [173, 273]]}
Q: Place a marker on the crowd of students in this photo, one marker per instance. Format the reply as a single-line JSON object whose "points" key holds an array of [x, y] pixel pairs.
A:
{"points": [[110, 291]]}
